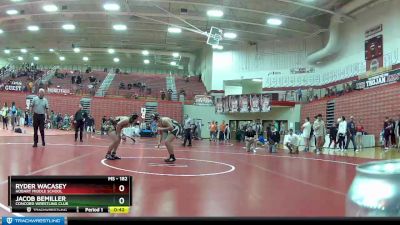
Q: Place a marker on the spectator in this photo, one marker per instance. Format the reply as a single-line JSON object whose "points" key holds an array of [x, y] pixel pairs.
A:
{"points": [[293, 142], [319, 132], [351, 133], [333, 131], [162, 94], [387, 127], [342, 130], [392, 133], [359, 135], [250, 139], [170, 94], [274, 140], [299, 95], [306, 127], [4, 114]]}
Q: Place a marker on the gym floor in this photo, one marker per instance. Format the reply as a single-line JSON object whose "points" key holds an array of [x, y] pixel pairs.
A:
{"points": [[208, 179]]}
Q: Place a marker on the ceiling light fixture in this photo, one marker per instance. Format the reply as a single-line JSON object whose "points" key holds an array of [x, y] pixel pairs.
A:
{"points": [[175, 30], [229, 35], [77, 50], [111, 51], [257, 80], [51, 50], [50, 8], [85, 58], [33, 28], [20, 58], [68, 27], [120, 27], [146, 61], [173, 63], [145, 52], [111, 6], [23, 50], [36, 58], [116, 60], [1, 31], [12, 12], [62, 58], [175, 54], [215, 13], [274, 21], [7, 51], [218, 47]]}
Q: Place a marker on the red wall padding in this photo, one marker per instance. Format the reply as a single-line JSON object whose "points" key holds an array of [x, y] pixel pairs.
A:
{"points": [[100, 106], [371, 106]]}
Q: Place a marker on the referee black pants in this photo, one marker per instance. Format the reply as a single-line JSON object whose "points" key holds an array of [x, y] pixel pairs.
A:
{"points": [[38, 122], [79, 126]]}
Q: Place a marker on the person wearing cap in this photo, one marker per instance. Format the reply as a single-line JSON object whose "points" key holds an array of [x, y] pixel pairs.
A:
{"points": [[115, 132]]}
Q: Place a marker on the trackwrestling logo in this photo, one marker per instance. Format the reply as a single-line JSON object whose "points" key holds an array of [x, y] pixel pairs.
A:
{"points": [[33, 220]]}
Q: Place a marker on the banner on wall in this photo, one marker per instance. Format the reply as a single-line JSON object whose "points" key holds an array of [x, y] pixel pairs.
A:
{"points": [[374, 53], [203, 100], [378, 80], [14, 86], [219, 105], [243, 103], [58, 91]]}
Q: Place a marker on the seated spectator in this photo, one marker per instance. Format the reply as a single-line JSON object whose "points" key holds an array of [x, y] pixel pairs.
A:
{"points": [[129, 86], [162, 94], [78, 79], [170, 94], [121, 85], [66, 122]]}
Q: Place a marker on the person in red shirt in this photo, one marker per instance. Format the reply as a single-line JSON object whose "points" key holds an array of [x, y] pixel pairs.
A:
{"points": [[359, 134]]}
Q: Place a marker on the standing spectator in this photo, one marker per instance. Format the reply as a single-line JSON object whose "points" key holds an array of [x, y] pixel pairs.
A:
{"points": [[227, 133], [319, 132], [292, 142], [79, 122], [221, 136], [398, 131], [13, 115], [393, 134], [359, 135], [250, 139], [333, 131], [19, 117], [162, 95], [89, 124], [170, 94], [40, 108], [188, 125], [342, 130], [299, 95], [4, 114], [306, 133], [351, 133], [213, 130], [387, 127]]}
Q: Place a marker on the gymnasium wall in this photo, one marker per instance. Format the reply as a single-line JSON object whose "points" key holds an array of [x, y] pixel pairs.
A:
{"points": [[100, 106], [256, 61], [371, 106], [207, 114]]}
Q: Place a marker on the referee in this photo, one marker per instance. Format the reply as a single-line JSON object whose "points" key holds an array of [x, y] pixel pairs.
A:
{"points": [[40, 109]]}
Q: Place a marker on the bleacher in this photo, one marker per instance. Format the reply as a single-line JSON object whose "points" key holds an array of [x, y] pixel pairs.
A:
{"points": [[66, 83], [155, 82], [192, 88]]}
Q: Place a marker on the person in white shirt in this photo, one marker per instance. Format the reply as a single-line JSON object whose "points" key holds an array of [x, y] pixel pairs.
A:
{"points": [[306, 127], [342, 132], [292, 143]]}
